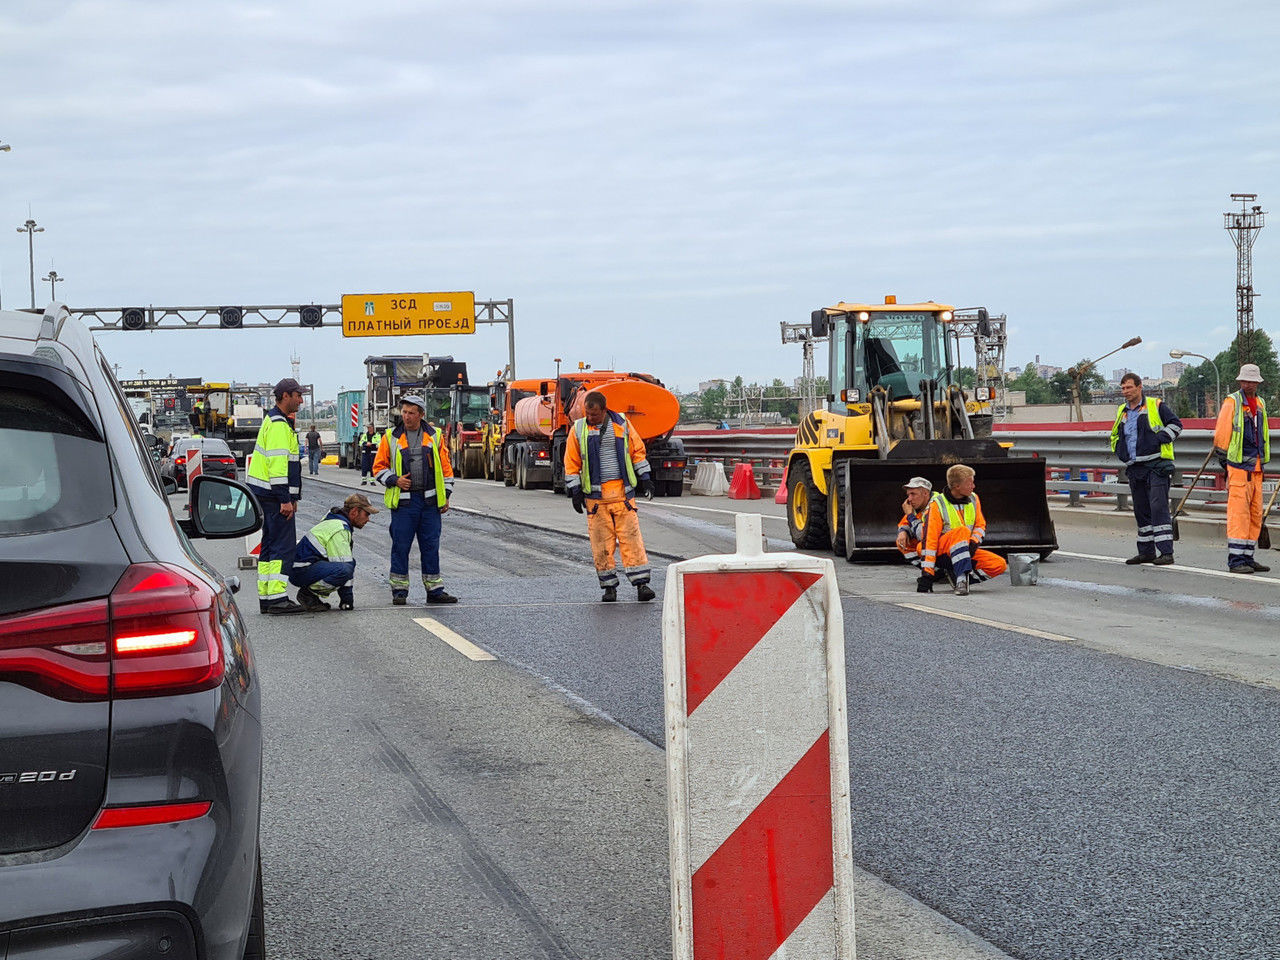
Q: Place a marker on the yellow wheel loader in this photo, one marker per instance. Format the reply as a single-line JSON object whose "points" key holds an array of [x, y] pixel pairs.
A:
{"points": [[898, 411]]}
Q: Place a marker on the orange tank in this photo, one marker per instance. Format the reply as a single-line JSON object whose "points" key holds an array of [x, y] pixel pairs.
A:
{"points": [[651, 407], [535, 417]]}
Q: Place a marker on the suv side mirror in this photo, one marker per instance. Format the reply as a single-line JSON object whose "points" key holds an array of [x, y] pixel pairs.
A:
{"points": [[220, 509]]}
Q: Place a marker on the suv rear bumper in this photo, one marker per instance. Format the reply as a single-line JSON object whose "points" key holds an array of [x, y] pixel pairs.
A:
{"points": [[145, 935]]}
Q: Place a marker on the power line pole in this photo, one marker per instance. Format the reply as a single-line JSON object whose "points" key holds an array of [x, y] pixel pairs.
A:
{"points": [[1244, 228]]}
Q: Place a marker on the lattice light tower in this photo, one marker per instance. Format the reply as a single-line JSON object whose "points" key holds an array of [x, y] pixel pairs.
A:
{"points": [[1244, 227], [802, 333]]}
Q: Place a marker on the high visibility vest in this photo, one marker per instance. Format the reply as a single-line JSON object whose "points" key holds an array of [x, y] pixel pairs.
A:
{"points": [[276, 466], [1235, 449], [624, 453], [330, 538], [953, 516], [1153, 420], [391, 497]]}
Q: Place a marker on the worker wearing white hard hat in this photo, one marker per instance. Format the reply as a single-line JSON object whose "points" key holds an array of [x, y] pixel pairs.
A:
{"points": [[1242, 441]]}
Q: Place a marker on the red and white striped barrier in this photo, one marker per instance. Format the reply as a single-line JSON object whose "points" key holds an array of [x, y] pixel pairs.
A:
{"points": [[195, 464], [757, 756]]}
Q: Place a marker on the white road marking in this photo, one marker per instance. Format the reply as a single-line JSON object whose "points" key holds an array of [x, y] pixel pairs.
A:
{"points": [[455, 640], [1042, 634], [1175, 568]]}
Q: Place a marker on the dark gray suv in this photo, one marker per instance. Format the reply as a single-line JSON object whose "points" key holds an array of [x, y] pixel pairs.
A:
{"points": [[130, 744]]}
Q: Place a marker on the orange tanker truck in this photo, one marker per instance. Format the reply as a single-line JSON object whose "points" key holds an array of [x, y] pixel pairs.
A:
{"points": [[538, 414]]}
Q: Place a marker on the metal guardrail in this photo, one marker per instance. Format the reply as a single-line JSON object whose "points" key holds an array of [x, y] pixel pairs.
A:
{"points": [[1078, 462]]}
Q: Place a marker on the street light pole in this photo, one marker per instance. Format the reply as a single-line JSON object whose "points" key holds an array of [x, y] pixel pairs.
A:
{"points": [[4, 148], [53, 279], [1079, 373], [1217, 379], [30, 228]]}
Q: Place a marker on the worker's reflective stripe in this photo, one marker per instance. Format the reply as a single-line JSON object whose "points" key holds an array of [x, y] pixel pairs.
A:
{"points": [[257, 449], [443, 484]]}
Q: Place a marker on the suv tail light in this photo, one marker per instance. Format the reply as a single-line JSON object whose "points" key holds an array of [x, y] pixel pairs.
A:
{"points": [[164, 633], [156, 635]]}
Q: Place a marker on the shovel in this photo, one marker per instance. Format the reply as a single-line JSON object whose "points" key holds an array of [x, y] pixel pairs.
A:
{"points": [[1191, 486], [1264, 538]]}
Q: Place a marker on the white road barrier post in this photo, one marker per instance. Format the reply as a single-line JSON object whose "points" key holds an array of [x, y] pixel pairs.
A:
{"points": [[757, 756]]}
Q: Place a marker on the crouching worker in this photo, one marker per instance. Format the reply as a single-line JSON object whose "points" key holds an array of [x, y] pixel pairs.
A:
{"points": [[324, 561], [911, 526], [954, 527], [604, 468]]}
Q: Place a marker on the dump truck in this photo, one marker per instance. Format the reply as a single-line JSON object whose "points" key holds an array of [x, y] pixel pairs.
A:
{"points": [[539, 414], [464, 432], [897, 411]]}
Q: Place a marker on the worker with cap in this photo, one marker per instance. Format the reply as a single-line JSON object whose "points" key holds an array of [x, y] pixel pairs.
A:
{"points": [[1142, 436], [911, 526], [275, 477], [604, 468], [1242, 441], [324, 561], [954, 527], [413, 464]]}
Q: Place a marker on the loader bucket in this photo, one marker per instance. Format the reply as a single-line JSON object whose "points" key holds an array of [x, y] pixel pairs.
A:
{"points": [[1012, 490]]}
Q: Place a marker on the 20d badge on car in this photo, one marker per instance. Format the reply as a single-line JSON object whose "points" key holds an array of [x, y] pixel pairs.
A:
{"points": [[35, 776]]}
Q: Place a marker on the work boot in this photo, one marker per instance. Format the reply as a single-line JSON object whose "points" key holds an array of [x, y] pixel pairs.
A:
{"points": [[310, 601], [399, 599], [1163, 560], [644, 592], [439, 596], [284, 607], [961, 589], [1242, 568], [1141, 558], [1259, 567], [610, 595]]}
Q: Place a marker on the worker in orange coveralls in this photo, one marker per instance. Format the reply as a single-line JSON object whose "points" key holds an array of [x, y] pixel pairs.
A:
{"points": [[1242, 442], [603, 484], [911, 526], [955, 526]]}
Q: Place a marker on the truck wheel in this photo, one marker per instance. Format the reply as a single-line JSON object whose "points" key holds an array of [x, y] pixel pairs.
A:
{"points": [[508, 473], [474, 460], [806, 509], [835, 509], [522, 471], [675, 487]]}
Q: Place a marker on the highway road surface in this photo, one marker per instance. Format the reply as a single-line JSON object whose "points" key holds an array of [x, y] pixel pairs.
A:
{"points": [[1086, 768]]}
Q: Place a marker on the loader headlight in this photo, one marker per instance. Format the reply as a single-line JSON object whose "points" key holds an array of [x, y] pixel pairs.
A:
{"points": [[945, 316], [983, 393], [863, 316], [850, 396]]}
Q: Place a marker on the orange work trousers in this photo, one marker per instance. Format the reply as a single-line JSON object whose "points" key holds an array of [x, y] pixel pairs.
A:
{"points": [[980, 564], [615, 525], [1244, 514]]}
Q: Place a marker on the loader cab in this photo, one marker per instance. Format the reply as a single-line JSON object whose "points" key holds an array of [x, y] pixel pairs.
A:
{"points": [[889, 346]]}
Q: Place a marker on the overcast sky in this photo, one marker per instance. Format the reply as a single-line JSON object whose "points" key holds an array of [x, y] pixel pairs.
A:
{"points": [[655, 184]]}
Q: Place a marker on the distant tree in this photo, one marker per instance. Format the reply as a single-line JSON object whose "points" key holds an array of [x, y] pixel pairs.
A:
{"points": [[1032, 384], [966, 376], [713, 406], [1263, 353]]}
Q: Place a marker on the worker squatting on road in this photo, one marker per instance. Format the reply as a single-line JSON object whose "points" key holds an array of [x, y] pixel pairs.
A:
{"points": [[911, 526], [325, 561], [275, 477], [1142, 436], [604, 483], [414, 466], [1242, 442], [954, 527]]}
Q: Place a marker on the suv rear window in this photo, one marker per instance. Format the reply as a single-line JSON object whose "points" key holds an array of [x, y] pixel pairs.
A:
{"points": [[54, 469]]}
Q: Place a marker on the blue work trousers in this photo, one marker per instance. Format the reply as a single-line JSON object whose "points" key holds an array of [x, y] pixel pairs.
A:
{"points": [[416, 517], [1149, 486], [313, 460], [275, 558], [366, 464], [324, 576]]}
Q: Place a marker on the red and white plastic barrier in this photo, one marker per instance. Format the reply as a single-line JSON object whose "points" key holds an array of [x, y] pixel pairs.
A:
{"points": [[757, 756], [195, 464]]}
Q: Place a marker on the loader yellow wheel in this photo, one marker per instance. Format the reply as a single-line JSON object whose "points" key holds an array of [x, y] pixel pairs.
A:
{"points": [[836, 523], [806, 508]]}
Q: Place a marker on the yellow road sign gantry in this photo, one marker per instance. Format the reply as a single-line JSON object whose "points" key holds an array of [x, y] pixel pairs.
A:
{"points": [[408, 314]]}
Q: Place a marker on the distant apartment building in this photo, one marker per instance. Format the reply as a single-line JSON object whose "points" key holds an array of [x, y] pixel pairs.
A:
{"points": [[1044, 371], [1117, 374], [1173, 370]]}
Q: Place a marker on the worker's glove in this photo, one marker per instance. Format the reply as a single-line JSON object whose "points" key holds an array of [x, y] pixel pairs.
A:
{"points": [[924, 584], [973, 548], [579, 499], [1222, 461], [644, 487], [346, 605]]}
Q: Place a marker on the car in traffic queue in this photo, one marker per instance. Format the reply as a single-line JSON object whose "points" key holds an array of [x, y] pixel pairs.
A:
{"points": [[130, 732], [216, 459]]}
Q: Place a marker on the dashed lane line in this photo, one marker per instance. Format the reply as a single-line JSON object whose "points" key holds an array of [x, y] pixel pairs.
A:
{"points": [[1013, 628], [1173, 568], [455, 640]]}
